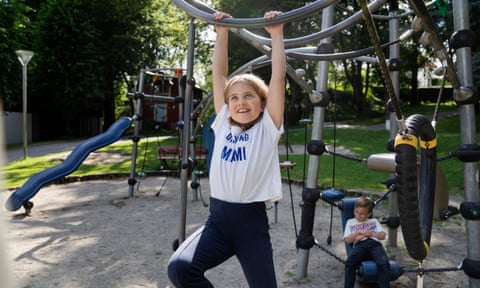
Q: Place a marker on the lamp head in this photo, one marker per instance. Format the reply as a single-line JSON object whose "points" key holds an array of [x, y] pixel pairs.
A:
{"points": [[24, 56]]}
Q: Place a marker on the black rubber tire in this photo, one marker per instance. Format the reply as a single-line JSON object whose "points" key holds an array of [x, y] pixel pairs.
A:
{"points": [[406, 174], [415, 204], [421, 127]]}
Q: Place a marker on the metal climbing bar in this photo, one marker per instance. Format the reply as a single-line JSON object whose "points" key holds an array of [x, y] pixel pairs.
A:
{"points": [[292, 15]]}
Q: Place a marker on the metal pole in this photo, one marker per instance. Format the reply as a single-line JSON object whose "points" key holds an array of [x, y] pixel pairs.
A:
{"points": [[137, 118], [394, 75], [24, 57], [25, 118], [190, 83], [468, 133], [317, 134]]}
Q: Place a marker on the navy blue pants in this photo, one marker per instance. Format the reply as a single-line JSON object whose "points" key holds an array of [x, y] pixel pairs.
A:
{"points": [[231, 229], [368, 249]]}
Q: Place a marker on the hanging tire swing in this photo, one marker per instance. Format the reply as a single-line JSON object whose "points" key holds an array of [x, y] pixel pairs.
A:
{"points": [[416, 183]]}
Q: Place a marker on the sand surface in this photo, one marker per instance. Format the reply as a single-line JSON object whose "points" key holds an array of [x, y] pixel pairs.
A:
{"points": [[90, 234]]}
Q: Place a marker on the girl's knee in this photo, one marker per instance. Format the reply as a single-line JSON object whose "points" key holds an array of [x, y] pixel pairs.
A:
{"points": [[173, 271], [183, 274], [179, 272]]}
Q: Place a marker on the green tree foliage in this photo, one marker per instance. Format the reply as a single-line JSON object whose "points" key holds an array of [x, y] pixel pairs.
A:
{"points": [[69, 68], [12, 37], [82, 48], [354, 38], [85, 47]]}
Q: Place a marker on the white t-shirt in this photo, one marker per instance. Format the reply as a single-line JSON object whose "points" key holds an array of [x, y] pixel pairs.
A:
{"points": [[245, 168], [371, 224]]}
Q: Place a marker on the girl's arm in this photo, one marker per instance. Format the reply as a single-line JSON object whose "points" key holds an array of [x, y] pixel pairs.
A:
{"points": [[220, 62], [276, 91]]}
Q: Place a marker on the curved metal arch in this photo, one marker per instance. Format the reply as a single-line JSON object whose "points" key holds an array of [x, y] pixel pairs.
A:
{"points": [[314, 37], [393, 16], [193, 10], [238, 24], [309, 53]]}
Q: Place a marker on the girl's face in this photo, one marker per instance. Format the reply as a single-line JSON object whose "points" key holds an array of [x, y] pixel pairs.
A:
{"points": [[244, 104], [362, 213]]}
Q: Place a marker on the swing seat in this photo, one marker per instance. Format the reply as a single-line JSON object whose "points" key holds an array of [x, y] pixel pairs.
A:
{"points": [[332, 195], [367, 272]]}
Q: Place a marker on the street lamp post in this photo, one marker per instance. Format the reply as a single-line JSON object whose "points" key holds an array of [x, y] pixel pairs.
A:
{"points": [[24, 57]]}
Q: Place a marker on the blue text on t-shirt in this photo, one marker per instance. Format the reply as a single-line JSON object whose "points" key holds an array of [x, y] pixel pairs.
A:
{"points": [[240, 153]]}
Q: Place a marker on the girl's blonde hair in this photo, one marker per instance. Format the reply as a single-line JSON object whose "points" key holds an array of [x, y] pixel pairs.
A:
{"points": [[250, 79]]}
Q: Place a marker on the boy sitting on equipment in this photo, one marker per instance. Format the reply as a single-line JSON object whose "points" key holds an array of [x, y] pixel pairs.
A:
{"points": [[365, 234]]}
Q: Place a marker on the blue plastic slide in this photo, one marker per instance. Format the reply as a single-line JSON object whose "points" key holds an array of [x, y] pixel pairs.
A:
{"points": [[70, 164]]}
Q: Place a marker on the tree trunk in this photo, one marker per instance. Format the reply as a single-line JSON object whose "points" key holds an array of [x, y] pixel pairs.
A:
{"points": [[357, 83]]}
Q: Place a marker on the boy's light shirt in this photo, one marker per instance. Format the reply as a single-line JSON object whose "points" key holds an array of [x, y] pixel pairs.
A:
{"points": [[245, 165], [371, 224]]}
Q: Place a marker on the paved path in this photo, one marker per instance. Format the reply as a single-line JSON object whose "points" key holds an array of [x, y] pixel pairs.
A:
{"points": [[36, 150], [40, 149]]}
